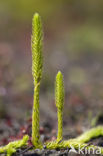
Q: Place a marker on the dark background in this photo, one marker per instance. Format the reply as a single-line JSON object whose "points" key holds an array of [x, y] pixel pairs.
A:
{"points": [[73, 43]]}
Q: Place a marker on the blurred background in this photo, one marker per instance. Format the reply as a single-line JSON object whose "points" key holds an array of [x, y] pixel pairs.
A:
{"points": [[73, 43]]}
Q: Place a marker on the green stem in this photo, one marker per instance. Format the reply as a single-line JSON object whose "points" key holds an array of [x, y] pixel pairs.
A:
{"points": [[13, 146], [37, 64], [35, 117], [75, 145], [80, 142], [60, 125], [92, 133], [59, 100]]}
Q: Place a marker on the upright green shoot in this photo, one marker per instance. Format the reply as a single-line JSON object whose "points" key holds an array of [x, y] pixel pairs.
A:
{"points": [[59, 99], [37, 63]]}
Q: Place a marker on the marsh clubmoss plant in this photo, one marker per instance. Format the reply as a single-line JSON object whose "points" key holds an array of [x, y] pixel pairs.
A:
{"points": [[13, 146], [59, 100], [37, 63]]}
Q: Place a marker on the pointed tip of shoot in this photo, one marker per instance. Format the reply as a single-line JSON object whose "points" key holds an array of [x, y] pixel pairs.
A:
{"points": [[36, 20], [36, 16], [59, 74]]}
